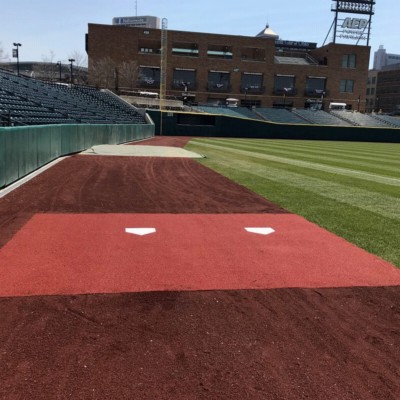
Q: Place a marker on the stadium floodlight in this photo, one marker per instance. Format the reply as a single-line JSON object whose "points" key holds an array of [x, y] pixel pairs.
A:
{"points": [[71, 60], [16, 54]]}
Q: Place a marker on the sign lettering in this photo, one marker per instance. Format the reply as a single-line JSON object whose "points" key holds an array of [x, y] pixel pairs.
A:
{"points": [[354, 23]]}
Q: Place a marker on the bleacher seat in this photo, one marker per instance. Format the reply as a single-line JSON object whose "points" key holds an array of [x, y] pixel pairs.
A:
{"points": [[359, 119], [280, 115], [320, 117], [27, 101], [392, 121]]}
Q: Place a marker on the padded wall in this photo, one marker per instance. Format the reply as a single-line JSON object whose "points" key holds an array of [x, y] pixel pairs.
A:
{"points": [[25, 149]]}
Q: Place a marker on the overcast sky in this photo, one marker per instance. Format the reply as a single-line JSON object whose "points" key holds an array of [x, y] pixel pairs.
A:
{"points": [[46, 27]]}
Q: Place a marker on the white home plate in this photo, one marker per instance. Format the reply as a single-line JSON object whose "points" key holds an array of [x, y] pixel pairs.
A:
{"points": [[140, 231], [260, 231]]}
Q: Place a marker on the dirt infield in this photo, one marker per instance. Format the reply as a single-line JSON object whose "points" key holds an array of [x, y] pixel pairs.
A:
{"points": [[328, 344], [99, 184]]}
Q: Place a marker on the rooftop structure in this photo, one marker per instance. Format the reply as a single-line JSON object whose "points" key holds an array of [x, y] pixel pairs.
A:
{"points": [[145, 21]]}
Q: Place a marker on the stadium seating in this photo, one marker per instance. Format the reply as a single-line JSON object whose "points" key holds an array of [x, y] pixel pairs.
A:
{"points": [[392, 121], [27, 101], [230, 111], [359, 119], [320, 117], [304, 116], [281, 115], [247, 112]]}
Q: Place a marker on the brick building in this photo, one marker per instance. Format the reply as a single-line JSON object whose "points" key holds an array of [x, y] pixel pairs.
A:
{"points": [[261, 71], [388, 89]]}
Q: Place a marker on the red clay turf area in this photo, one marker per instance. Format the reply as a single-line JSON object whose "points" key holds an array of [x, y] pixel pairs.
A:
{"points": [[154, 278]]}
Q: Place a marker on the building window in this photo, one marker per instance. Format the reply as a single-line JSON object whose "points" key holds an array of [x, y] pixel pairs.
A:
{"points": [[219, 81], [284, 84], [185, 49], [252, 54], [315, 85], [346, 86], [149, 76], [250, 103], [149, 46], [373, 80], [184, 79], [349, 61], [218, 51], [252, 82]]}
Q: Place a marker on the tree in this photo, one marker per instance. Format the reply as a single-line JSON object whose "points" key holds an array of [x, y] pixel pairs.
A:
{"points": [[47, 70], [106, 74], [79, 64], [103, 73], [127, 73], [3, 55]]}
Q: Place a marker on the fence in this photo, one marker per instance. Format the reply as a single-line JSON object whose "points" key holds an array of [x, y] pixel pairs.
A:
{"points": [[204, 125], [25, 149]]}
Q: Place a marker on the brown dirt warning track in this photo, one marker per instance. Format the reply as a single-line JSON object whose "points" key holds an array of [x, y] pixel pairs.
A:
{"points": [[200, 307]]}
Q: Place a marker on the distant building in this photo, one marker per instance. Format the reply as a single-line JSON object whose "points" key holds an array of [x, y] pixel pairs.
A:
{"points": [[388, 90], [371, 103], [383, 86], [383, 59], [138, 22]]}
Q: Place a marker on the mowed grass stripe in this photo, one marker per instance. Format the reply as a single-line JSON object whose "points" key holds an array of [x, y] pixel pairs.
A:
{"points": [[312, 165], [380, 167], [346, 148], [393, 160], [336, 156], [362, 216], [368, 149], [354, 182]]}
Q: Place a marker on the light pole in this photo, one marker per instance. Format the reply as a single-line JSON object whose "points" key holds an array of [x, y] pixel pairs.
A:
{"points": [[59, 66], [71, 60], [16, 54], [285, 90]]}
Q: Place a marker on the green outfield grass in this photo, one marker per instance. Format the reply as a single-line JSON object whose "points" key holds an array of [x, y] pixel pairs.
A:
{"points": [[351, 189]]}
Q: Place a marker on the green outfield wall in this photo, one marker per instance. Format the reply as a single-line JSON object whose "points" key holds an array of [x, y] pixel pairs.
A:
{"points": [[25, 149], [207, 125]]}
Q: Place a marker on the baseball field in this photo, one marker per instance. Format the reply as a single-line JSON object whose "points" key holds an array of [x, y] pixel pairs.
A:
{"points": [[267, 270]]}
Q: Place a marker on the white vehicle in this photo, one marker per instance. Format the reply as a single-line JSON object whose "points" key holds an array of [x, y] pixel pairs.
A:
{"points": [[230, 102], [337, 106]]}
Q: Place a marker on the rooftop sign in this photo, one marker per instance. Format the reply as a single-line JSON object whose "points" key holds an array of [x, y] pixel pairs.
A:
{"points": [[355, 29]]}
